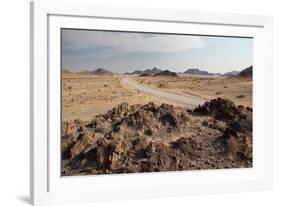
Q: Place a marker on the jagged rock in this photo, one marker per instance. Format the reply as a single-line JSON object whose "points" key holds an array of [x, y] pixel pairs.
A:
{"points": [[83, 140], [150, 138], [222, 109]]}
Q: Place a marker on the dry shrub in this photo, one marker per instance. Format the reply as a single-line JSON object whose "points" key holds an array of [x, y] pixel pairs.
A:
{"points": [[241, 96]]}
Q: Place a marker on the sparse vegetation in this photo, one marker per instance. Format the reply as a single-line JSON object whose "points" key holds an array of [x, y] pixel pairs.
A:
{"points": [[163, 84], [241, 96]]}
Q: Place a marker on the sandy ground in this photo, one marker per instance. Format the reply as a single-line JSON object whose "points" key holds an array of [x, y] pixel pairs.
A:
{"points": [[84, 96], [238, 90]]}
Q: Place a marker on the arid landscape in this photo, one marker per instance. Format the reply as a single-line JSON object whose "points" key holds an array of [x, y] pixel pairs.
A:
{"points": [[236, 89], [136, 102], [153, 121]]}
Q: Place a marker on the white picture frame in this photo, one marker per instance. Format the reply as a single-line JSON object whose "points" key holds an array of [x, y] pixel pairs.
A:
{"points": [[47, 186]]}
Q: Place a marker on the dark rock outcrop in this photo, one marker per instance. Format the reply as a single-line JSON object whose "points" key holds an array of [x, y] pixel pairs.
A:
{"points": [[248, 72], [166, 73], [151, 138], [147, 72], [197, 72], [99, 71]]}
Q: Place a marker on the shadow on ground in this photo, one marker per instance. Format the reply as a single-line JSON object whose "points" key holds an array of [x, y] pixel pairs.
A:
{"points": [[24, 199]]}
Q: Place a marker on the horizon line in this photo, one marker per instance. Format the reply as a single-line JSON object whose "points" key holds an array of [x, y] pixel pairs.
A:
{"points": [[204, 70]]}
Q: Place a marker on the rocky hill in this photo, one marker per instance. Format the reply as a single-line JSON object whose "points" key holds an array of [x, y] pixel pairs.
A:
{"points": [[248, 72], [147, 72], [99, 71], [166, 73], [134, 72], [197, 72], [151, 138], [102, 71]]}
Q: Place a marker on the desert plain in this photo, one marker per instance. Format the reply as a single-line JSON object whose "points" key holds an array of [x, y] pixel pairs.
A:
{"points": [[127, 123], [84, 95]]}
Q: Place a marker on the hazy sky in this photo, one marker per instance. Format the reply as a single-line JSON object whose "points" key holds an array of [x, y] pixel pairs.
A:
{"points": [[126, 52]]}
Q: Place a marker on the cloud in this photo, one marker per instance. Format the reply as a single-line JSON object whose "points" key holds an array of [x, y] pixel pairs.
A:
{"points": [[79, 40], [124, 51]]}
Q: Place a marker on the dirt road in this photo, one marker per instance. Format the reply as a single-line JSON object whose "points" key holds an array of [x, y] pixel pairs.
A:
{"points": [[188, 101]]}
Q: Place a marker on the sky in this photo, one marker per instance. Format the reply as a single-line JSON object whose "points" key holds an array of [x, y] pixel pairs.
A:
{"points": [[128, 51]]}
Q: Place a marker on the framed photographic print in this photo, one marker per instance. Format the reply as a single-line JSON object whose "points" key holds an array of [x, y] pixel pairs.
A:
{"points": [[137, 103]]}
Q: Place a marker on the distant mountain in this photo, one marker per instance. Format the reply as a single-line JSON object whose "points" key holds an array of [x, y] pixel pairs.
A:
{"points": [[232, 73], [248, 72], [146, 72], [152, 71], [99, 71], [166, 73], [102, 71], [197, 72], [134, 72]]}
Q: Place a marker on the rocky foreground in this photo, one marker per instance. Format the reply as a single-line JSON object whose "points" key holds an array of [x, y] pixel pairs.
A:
{"points": [[150, 138]]}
